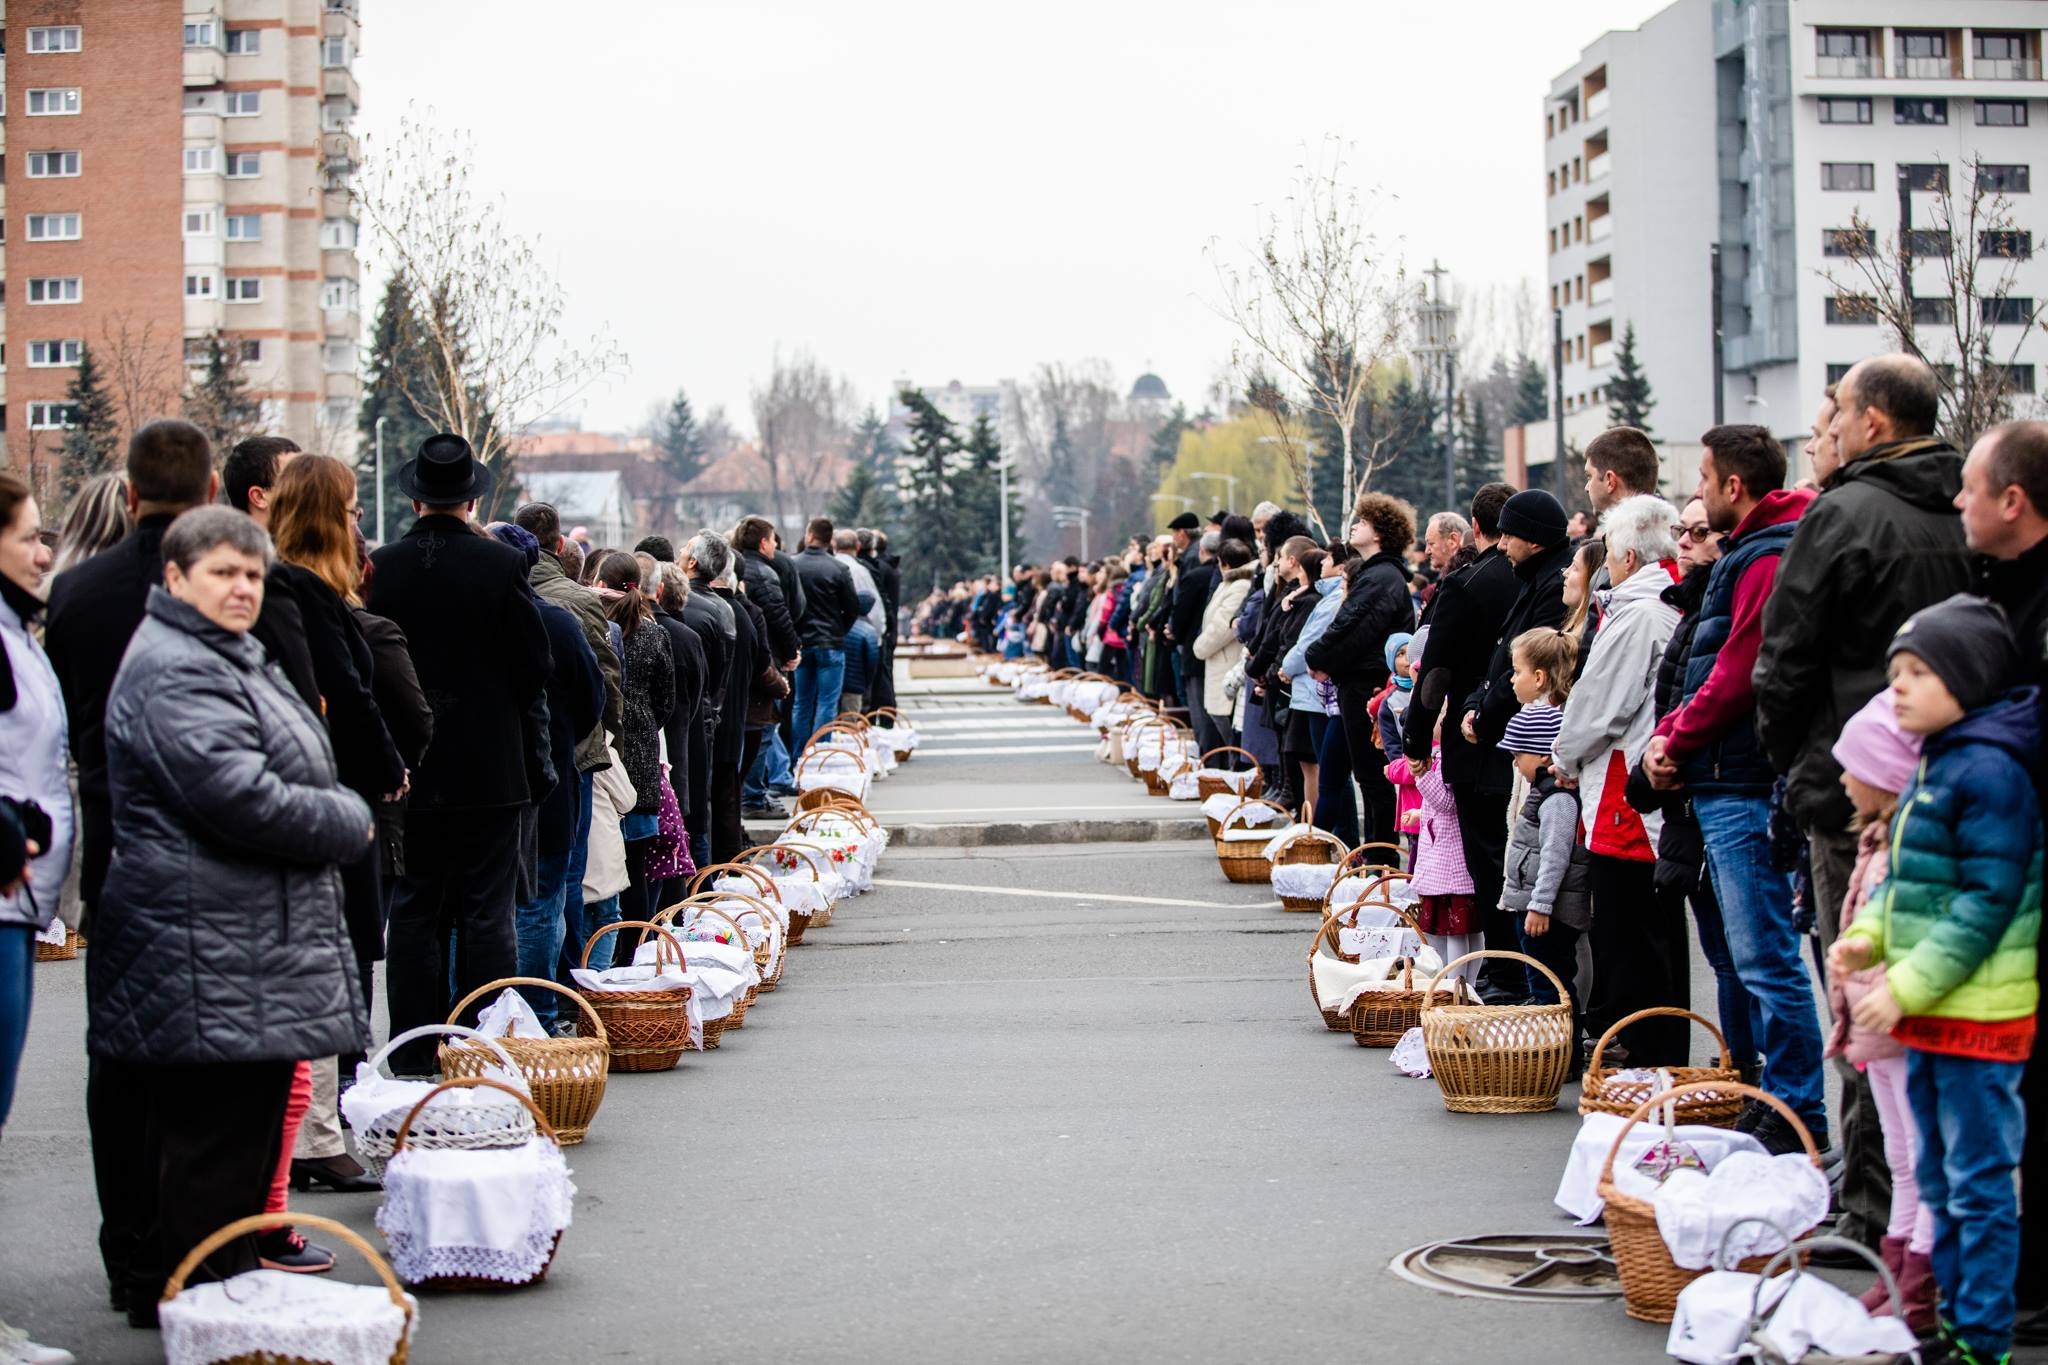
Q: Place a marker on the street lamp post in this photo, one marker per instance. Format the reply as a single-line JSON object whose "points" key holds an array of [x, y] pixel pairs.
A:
{"points": [[1439, 327], [1003, 497], [1064, 516], [1230, 487], [380, 480]]}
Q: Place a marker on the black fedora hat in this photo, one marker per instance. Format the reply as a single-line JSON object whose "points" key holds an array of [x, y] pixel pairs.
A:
{"points": [[445, 472]]}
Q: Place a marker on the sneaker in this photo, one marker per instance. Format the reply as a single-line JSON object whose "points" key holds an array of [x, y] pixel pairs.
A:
{"points": [[784, 789], [284, 1249], [1752, 1114], [17, 1349], [764, 811]]}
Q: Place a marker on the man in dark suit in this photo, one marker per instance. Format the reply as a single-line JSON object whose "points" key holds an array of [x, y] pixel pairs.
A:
{"points": [[1199, 576], [482, 655]]}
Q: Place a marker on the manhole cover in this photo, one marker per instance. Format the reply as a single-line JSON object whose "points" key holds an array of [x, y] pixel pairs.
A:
{"points": [[1553, 1266]]}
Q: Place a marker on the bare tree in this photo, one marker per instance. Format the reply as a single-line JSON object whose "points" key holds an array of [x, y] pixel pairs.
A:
{"points": [[487, 315], [803, 419], [144, 368], [1971, 326], [1320, 302]]}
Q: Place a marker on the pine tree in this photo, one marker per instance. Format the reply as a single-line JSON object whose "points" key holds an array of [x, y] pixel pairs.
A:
{"points": [[1477, 463], [861, 500], [931, 546], [219, 404], [680, 439], [93, 437], [1165, 444], [1628, 393], [981, 495], [872, 445], [1532, 393], [393, 355], [1414, 451]]}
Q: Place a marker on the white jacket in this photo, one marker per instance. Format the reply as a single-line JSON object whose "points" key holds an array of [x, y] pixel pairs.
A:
{"points": [[611, 796], [1612, 713], [1217, 645], [35, 766]]}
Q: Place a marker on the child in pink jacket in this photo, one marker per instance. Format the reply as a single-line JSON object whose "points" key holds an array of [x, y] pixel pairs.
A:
{"points": [[1447, 909]]}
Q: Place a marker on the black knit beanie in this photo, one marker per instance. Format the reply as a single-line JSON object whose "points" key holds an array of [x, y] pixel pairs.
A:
{"points": [[1968, 643], [1535, 516]]}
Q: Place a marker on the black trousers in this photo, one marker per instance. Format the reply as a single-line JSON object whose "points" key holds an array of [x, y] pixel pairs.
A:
{"points": [[460, 873], [728, 829], [1368, 767], [177, 1151], [1640, 960], [882, 687]]}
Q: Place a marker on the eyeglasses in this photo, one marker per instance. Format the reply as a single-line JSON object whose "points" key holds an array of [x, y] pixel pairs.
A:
{"points": [[1699, 533]]}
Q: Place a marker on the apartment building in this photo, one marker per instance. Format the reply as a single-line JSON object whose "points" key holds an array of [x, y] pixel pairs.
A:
{"points": [[180, 169], [1828, 110], [1628, 150]]}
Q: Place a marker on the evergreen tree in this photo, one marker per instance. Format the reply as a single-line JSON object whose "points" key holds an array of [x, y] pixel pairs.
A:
{"points": [[872, 445], [393, 355], [93, 437], [1477, 462], [1414, 451], [1165, 445], [980, 487], [862, 500], [219, 404], [681, 441], [1062, 476], [932, 525], [1532, 393], [1628, 393]]}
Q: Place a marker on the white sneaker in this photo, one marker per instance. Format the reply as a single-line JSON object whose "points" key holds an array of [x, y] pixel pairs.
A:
{"points": [[17, 1349]]}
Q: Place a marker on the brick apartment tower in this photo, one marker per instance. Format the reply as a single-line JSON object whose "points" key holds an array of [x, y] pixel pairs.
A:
{"points": [[173, 169]]}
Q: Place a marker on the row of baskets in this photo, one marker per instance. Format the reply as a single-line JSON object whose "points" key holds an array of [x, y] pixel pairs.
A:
{"points": [[847, 755]]}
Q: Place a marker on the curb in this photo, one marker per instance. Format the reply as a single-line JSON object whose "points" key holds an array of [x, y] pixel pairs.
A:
{"points": [[1008, 832]]}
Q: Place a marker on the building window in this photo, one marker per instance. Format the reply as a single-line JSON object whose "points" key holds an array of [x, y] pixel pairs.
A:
{"points": [[1924, 44], [1837, 373], [53, 355], [1998, 47], [1842, 42], [52, 165], [336, 115], [1850, 309], [245, 42], [2006, 310], [1925, 176], [251, 349], [2001, 113], [244, 165], [53, 227], [2013, 245], [245, 289], [243, 103], [1928, 242], [1922, 113], [51, 102], [55, 289], [1844, 242], [2003, 179], [55, 38], [2019, 378], [199, 222], [1935, 312], [338, 234], [52, 416], [198, 350], [199, 161], [202, 101], [202, 34], [334, 52], [200, 285], [1844, 111], [338, 294], [1848, 175], [245, 227]]}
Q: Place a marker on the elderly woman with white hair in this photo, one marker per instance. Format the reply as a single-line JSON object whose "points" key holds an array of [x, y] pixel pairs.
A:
{"points": [[1638, 939]]}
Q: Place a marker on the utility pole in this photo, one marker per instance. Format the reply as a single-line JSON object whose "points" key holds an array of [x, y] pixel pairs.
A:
{"points": [[380, 480], [1002, 496], [1064, 516], [1439, 327], [1557, 397], [1906, 261], [1714, 306]]}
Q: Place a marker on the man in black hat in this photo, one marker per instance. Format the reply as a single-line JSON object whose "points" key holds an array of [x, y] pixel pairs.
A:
{"points": [[481, 651]]}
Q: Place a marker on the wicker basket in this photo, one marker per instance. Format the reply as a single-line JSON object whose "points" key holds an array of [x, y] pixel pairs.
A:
{"points": [[1134, 743], [327, 1227], [1216, 786], [1499, 1059], [1383, 1018], [1330, 932], [1307, 848], [565, 1076], [705, 905], [897, 728], [454, 1129], [1244, 860], [766, 954], [59, 952], [818, 798], [1379, 885], [646, 1030], [456, 1283], [1650, 1279], [818, 859], [1601, 1093]]}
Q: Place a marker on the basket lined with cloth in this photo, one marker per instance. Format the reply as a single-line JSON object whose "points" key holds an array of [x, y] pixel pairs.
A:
{"points": [[650, 1016], [1241, 837], [1345, 955], [1304, 861], [1606, 1090], [1499, 1059], [565, 1076], [832, 768], [1240, 781], [901, 735], [377, 1103]]}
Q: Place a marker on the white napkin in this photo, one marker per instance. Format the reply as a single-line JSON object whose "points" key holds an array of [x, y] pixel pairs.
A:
{"points": [[1694, 1211], [1578, 1192], [509, 1016], [492, 1213], [284, 1315]]}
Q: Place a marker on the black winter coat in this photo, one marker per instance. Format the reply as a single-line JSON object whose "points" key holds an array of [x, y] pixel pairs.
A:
{"points": [[830, 608], [219, 934], [889, 579], [1190, 599], [1376, 604], [1539, 603], [748, 654], [685, 724], [650, 688], [1880, 542], [711, 617], [1465, 618], [408, 718], [764, 590], [481, 653], [576, 697], [283, 631]]}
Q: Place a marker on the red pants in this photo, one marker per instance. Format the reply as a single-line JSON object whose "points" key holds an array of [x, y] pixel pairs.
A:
{"points": [[294, 1114]]}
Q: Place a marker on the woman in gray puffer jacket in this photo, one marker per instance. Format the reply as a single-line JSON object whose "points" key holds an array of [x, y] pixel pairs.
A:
{"points": [[219, 956]]}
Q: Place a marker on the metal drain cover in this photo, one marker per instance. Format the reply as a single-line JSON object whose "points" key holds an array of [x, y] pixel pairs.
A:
{"points": [[1556, 1267]]}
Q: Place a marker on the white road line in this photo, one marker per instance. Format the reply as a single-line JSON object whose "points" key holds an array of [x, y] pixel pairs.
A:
{"points": [[928, 751], [1078, 895]]}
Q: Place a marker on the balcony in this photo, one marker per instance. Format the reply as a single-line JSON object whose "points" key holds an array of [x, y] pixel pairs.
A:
{"points": [[1600, 293], [2006, 69], [1599, 166], [1601, 228], [338, 82], [340, 265], [1924, 68], [1596, 104], [340, 152], [1602, 355], [204, 66], [1845, 68]]}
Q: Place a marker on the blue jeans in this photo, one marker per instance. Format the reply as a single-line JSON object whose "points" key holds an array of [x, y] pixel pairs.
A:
{"points": [[572, 888], [17, 989], [817, 692], [539, 923], [1971, 1123], [596, 916], [1756, 912], [771, 769], [1557, 949], [1733, 1001]]}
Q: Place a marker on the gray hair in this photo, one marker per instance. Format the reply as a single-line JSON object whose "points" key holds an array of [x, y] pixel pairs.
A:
{"points": [[199, 532], [1265, 511], [1644, 523], [1452, 525], [671, 586], [1212, 540], [846, 542], [712, 552]]}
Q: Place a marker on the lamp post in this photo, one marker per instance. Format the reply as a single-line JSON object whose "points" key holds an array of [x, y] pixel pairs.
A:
{"points": [[1439, 322], [1064, 516], [1230, 488], [380, 479], [1003, 499]]}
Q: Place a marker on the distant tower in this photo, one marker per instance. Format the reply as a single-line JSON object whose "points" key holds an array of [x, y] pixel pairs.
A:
{"points": [[1149, 398]]}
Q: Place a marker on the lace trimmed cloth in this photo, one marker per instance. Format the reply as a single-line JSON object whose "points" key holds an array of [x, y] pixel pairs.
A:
{"points": [[492, 1214], [1302, 879], [1219, 807], [278, 1315]]}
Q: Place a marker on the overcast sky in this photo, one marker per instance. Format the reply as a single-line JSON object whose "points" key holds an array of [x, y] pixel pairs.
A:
{"points": [[963, 189]]}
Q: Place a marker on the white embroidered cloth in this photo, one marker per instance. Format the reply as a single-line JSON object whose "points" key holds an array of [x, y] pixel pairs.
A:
{"points": [[1381, 975], [1185, 787], [1694, 1211], [377, 1103], [1802, 1313], [1219, 807], [1235, 781], [1578, 1191], [492, 1214], [284, 1315], [509, 1016], [1410, 1056]]}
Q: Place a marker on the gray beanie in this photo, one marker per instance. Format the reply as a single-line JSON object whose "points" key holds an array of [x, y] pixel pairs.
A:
{"points": [[1968, 643]]}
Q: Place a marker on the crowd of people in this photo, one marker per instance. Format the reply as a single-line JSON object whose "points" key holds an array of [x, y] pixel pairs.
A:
{"points": [[1812, 715], [281, 756]]}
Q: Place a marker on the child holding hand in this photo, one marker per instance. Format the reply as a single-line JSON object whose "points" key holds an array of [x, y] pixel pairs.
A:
{"points": [[1955, 925]]}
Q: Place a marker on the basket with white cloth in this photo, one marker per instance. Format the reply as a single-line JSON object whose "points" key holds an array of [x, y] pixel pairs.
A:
{"points": [[649, 1013], [719, 976], [1778, 1318], [377, 1103], [830, 768], [565, 1076], [901, 734], [1304, 861], [1368, 933], [478, 1219], [1238, 781], [274, 1317], [732, 945], [1241, 837], [852, 838]]}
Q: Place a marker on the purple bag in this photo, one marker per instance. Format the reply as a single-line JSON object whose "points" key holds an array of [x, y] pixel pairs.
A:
{"points": [[670, 856]]}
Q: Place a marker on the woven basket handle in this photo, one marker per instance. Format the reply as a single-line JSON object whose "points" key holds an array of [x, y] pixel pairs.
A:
{"points": [[677, 943], [759, 850], [259, 1222], [481, 991], [470, 1083], [880, 711], [1562, 994], [703, 908], [713, 899], [1230, 749], [747, 871], [1394, 849], [1313, 836], [1649, 1106], [1282, 812], [804, 821], [447, 1030], [1334, 924], [812, 755], [812, 854], [1375, 878], [1660, 1012]]}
